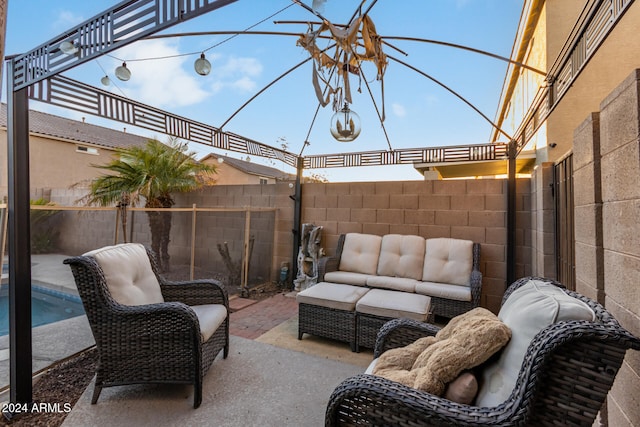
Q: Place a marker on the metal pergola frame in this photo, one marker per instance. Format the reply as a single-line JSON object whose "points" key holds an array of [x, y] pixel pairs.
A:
{"points": [[35, 75]]}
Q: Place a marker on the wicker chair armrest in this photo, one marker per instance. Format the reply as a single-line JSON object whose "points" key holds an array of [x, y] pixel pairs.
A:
{"points": [[371, 400], [195, 292], [475, 283], [325, 265], [401, 332], [149, 320]]}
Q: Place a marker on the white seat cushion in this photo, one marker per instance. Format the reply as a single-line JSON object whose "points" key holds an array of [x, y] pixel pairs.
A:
{"points": [[347, 277], [448, 261], [210, 317], [444, 290], [360, 253], [393, 304], [128, 272], [401, 256], [527, 311], [394, 283], [332, 295]]}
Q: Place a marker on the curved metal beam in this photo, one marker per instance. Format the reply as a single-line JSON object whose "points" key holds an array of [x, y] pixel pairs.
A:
{"points": [[462, 98], [223, 33], [470, 49], [269, 85], [375, 105]]}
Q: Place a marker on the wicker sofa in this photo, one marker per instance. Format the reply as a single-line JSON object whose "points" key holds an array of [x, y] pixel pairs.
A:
{"points": [[372, 279], [556, 370], [445, 269]]}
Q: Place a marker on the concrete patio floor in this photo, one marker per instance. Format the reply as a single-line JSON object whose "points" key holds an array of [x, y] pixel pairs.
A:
{"points": [[269, 378]]}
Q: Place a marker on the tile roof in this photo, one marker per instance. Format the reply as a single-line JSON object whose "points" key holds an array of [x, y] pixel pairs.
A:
{"points": [[253, 168], [73, 130]]}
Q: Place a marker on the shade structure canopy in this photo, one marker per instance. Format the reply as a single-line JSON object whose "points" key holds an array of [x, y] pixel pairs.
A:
{"points": [[38, 75]]}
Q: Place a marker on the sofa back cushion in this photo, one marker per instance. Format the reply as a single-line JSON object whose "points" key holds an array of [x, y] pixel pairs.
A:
{"points": [[360, 253], [528, 310], [448, 261], [401, 256], [128, 273]]}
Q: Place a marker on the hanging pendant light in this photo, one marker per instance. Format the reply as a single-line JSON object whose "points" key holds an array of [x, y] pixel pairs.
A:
{"points": [[106, 81], [202, 65], [345, 124], [123, 73], [69, 48]]}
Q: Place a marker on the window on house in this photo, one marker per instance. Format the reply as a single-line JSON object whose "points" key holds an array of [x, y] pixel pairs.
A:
{"points": [[263, 181], [87, 150]]}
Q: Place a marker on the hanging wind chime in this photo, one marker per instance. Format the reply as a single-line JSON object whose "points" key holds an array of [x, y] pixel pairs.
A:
{"points": [[354, 43]]}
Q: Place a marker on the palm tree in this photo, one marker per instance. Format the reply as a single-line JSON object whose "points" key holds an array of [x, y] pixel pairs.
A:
{"points": [[152, 172]]}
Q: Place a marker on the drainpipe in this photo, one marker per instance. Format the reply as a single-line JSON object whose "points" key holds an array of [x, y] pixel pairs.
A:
{"points": [[19, 230], [511, 213], [297, 218]]}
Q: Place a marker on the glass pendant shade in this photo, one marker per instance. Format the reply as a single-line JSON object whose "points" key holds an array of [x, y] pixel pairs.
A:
{"points": [[123, 73], [202, 65], [345, 125], [68, 48], [106, 81]]}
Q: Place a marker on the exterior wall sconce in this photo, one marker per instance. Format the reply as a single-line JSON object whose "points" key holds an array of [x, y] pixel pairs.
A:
{"points": [[202, 65], [345, 124], [123, 73]]}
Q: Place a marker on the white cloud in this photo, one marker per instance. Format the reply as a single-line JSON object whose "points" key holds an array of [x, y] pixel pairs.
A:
{"points": [[398, 109], [163, 83], [66, 19], [236, 73], [431, 100], [172, 81]]}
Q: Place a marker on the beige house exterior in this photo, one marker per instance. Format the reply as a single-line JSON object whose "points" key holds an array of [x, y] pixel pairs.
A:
{"points": [[63, 151], [232, 171], [583, 121]]}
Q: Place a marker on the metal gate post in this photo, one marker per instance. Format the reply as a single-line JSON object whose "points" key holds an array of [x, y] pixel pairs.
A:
{"points": [[19, 230]]}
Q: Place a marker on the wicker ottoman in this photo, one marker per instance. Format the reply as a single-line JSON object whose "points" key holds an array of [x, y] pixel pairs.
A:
{"points": [[379, 306], [328, 310]]}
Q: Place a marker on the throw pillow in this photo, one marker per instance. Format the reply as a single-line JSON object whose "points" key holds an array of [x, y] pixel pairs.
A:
{"points": [[463, 389], [467, 341]]}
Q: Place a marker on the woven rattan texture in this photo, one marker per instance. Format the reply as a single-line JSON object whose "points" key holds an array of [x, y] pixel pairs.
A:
{"points": [[157, 343], [567, 372]]}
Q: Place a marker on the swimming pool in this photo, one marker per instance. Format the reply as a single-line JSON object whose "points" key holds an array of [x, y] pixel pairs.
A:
{"points": [[47, 306]]}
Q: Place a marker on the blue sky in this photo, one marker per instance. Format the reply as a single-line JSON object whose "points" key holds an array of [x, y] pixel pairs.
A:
{"points": [[419, 112]]}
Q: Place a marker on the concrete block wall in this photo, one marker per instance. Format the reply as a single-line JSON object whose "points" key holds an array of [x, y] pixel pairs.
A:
{"points": [[465, 209], [83, 231], [620, 174], [273, 239], [587, 196], [543, 261]]}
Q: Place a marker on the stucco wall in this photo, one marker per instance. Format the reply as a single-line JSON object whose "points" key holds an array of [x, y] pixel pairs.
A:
{"points": [[54, 163], [228, 175], [612, 63]]}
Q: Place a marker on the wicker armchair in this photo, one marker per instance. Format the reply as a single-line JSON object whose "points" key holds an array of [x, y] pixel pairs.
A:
{"points": [[567, 371], [152, 343]]}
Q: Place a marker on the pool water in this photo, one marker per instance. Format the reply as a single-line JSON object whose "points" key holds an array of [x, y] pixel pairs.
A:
{"points": [[47, 306]]}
